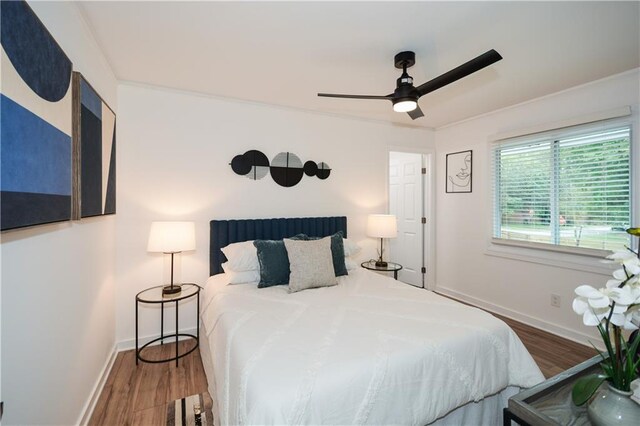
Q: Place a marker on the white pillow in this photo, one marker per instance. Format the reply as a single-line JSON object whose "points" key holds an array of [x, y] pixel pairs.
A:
{"points": [[240, 277], [241, 256], [350, 247]]}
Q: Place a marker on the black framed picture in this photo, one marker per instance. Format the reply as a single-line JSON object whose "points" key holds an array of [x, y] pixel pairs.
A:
{"points": [[459, 172], [94, 152]]}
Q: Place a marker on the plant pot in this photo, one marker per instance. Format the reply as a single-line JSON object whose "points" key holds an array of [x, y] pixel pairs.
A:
{"points": [[610, 406]]}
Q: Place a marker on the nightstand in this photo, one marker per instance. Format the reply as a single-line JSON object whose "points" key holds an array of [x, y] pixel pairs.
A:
{"points": [[154, 296], [391, 267]]}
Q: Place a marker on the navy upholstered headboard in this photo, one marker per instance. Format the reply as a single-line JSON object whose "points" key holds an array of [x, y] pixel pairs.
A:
{"points": [[225, 232]]}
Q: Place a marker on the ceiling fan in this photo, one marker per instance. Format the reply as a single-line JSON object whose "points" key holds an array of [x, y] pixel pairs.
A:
{"points": [[405, 97]]}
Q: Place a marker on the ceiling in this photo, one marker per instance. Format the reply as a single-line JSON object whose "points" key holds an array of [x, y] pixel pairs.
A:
{"points": [[285, 53]]}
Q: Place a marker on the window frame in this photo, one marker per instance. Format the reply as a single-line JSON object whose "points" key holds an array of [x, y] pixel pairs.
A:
{"points": [[552, 135]]}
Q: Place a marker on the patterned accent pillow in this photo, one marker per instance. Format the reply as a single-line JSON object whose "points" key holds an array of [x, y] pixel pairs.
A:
{"points": [[337, 251], [311, 264]]}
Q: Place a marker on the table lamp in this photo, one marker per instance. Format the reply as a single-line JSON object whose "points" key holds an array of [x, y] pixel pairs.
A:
{"points": [[171, 238], [382, 226]]}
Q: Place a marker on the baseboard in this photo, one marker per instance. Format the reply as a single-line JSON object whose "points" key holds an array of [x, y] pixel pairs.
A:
{"points": [[90, 405], [581, 338], [125, 345]]}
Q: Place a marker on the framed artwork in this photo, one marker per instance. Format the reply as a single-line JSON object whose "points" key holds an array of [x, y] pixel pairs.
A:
{"points": [[94, 152], [459, 172], [36, 122]]}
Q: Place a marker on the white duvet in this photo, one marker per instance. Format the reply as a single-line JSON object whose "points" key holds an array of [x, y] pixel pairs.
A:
{"points": [[370, 350]]}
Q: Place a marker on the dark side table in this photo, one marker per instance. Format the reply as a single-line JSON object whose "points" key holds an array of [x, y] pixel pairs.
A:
{"points": [[391, 267], [154, 295]]}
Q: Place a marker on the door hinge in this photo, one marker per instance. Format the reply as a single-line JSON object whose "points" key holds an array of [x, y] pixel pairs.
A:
{"points": [[424, 220], [424, 170], [424, 270]]}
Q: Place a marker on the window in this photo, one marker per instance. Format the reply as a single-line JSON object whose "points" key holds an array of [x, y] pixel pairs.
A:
{"points": [[569, 187]]}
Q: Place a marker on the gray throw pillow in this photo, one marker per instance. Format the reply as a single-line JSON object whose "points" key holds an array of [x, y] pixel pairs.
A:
{"points": [[337, 251], [310, 263]]}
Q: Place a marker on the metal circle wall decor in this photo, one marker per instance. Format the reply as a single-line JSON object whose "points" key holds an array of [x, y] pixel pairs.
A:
{"points": [[252, 164], [310, 168], [286, 168], [323, 171]]}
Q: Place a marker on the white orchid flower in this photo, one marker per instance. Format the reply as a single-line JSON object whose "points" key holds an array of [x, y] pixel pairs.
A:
{"points": [[627, 258], [632, 318], [613, 283], [633, 281], [592, 304], [634, 293], [594, 298], [620, 275], [624, 296], [595, 305]]}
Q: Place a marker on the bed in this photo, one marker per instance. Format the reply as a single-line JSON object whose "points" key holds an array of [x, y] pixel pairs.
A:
{"points": [[370, 350]]}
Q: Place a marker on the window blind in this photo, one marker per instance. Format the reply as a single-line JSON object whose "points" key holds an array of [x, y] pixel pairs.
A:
{"points": [[568, 187]]}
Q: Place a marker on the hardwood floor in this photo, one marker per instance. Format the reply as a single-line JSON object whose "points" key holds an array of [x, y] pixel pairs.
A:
{"points": [[553, 354], [138, 395]]}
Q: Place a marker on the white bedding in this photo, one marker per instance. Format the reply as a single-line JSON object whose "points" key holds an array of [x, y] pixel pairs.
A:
{"points": [[368, 351]]}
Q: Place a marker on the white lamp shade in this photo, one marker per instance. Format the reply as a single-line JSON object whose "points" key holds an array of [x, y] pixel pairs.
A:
{"points": [[172, 237], [382, 226]]}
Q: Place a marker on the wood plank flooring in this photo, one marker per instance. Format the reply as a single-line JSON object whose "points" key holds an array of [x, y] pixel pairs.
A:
{"points": [[138, 395], [553, 354]]}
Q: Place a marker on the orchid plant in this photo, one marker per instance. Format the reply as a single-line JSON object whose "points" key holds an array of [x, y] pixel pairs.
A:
{"points": [[611, 309]]}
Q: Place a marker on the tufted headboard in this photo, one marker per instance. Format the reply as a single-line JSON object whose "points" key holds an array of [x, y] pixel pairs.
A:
{"points": [[225, 232]]}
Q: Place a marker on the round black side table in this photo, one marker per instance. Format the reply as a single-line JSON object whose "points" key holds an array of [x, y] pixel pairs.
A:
{"points": [[154, 295], [391, 267]]}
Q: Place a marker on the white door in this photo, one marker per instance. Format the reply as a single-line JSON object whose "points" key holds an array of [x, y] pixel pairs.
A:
{"points": [[406, 202]]}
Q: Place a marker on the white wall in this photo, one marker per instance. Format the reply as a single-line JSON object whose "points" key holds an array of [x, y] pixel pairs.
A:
{"points": [[173, 156], [517, 288], [58, 324]]}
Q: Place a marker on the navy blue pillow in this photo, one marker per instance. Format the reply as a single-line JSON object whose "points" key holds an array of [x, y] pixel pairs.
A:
{"points": [[274, 261], [337, 252]]}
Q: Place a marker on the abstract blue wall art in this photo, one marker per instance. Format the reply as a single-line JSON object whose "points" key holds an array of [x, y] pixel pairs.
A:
{"points": [[35, 55], [94, 152], [35, 122]]}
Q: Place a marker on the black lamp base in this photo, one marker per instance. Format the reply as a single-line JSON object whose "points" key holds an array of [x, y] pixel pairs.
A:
{"points": [[381, 264], [171, 289]]}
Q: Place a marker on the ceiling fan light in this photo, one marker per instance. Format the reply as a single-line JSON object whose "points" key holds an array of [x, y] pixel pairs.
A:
{"points": [[405, 105]]}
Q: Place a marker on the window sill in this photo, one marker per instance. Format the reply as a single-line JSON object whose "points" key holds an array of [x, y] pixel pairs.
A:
{"points": [[579, 259]]}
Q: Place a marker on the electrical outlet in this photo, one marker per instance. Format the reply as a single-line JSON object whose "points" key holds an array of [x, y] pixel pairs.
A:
{"points": [[555, 300]]}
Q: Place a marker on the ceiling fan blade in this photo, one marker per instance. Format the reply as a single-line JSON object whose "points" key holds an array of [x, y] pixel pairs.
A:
{"points": [[333, 95], [476, 64], [416, 113]]}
